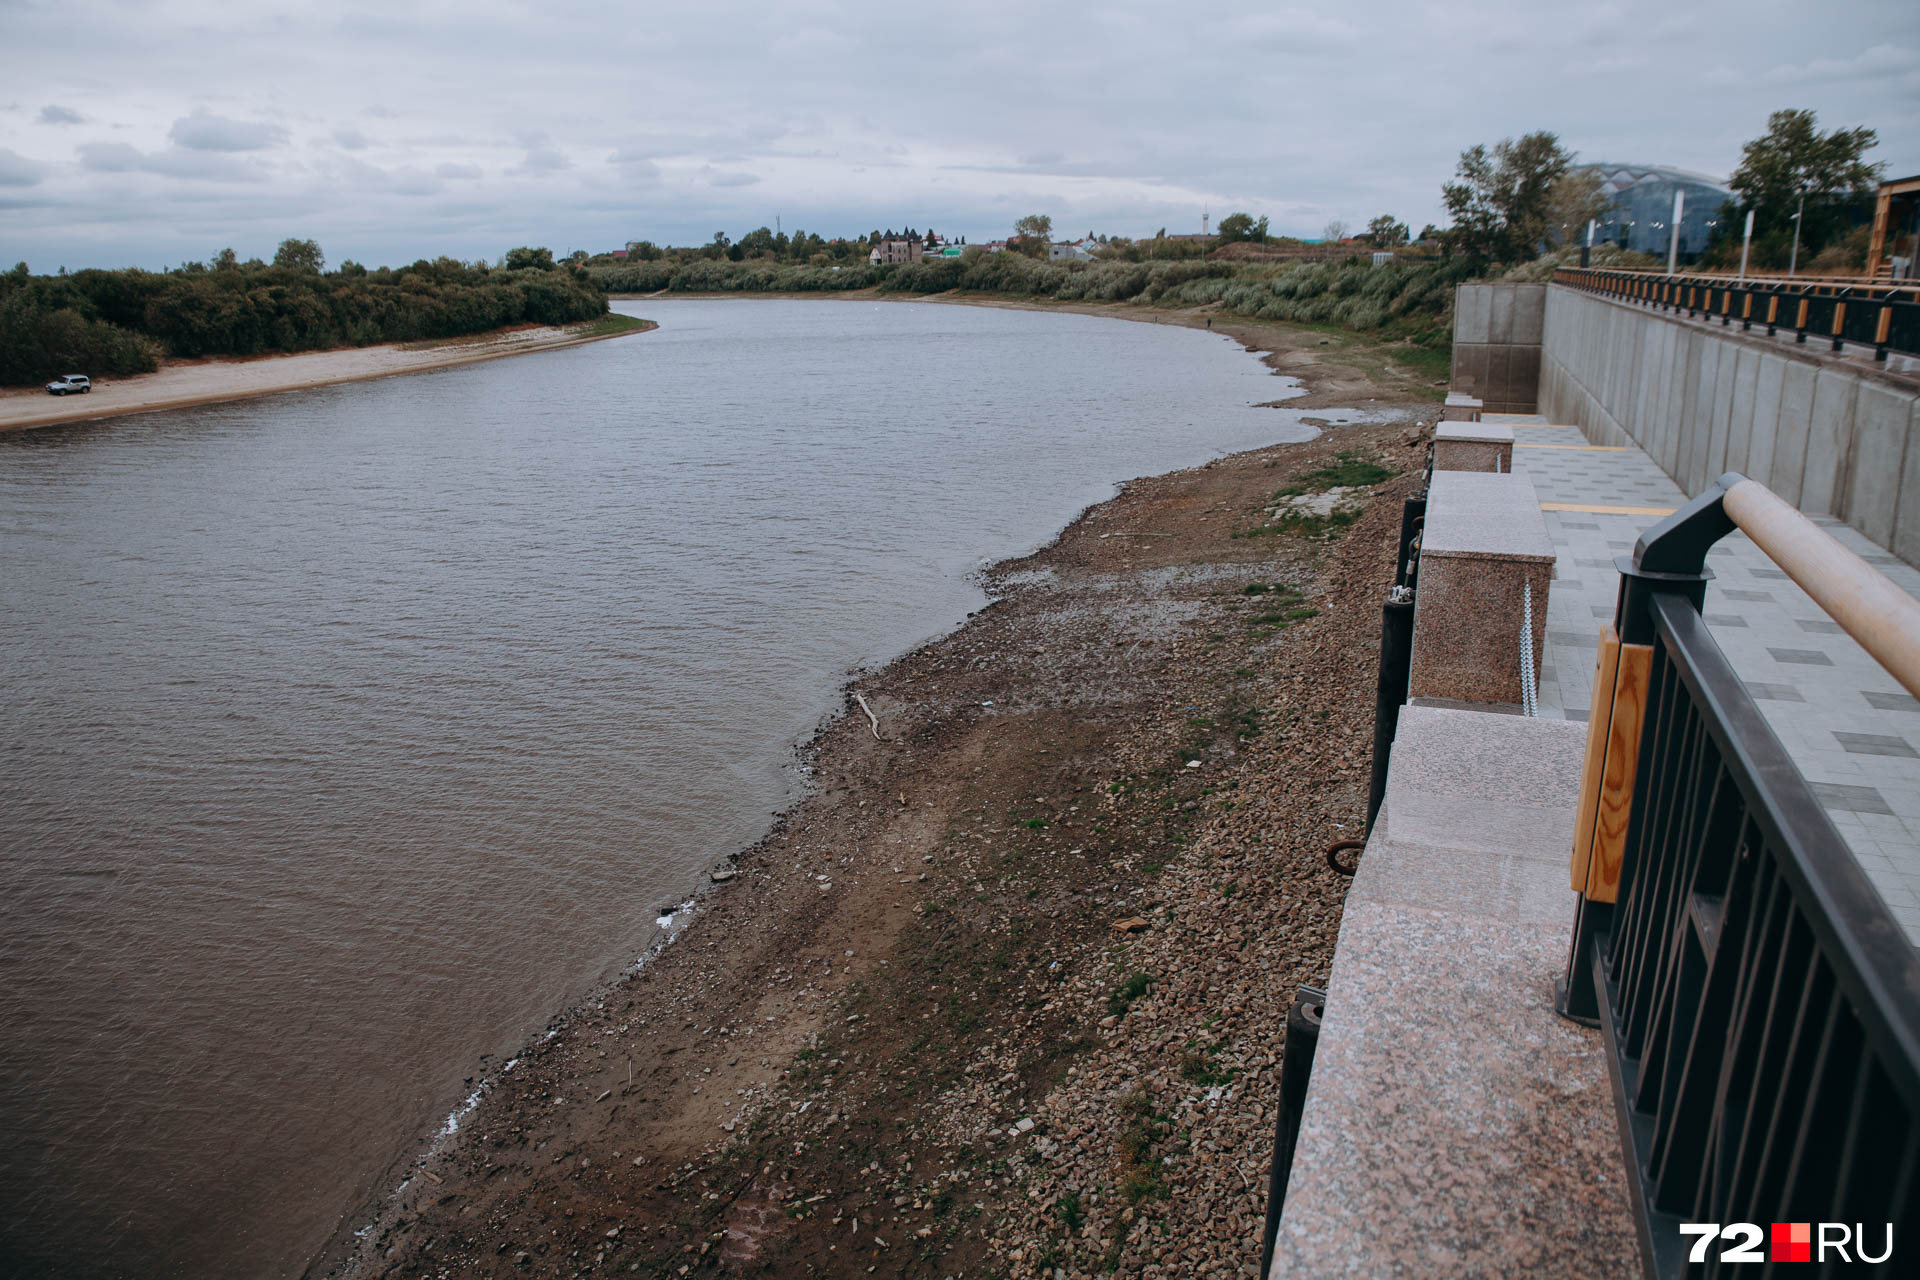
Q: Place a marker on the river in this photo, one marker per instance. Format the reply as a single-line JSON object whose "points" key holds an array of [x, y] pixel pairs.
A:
{"points": [[351, 733]]}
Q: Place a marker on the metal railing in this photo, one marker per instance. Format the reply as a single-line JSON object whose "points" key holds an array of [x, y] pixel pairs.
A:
{"points": [[1760, 1003], [1883, 317]]}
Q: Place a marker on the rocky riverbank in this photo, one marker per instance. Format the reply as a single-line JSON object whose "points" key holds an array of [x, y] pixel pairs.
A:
{"points": [[1005, 995]]}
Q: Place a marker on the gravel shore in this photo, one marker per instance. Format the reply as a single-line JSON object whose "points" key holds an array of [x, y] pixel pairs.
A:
{"points": [[1005, 995]]}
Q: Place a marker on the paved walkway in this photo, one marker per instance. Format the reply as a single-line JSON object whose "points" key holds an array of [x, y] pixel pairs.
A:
{"points": [[1849, 726]]}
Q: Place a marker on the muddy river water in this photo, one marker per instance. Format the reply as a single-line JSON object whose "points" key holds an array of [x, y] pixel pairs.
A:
{"points": [[349, 734]]}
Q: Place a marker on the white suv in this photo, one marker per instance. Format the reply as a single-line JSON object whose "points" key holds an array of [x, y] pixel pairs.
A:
{"points": [[68, 384]]}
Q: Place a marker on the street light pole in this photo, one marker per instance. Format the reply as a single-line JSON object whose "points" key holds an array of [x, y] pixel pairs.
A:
{"points": [[1746, 243], [1673, 243], [1793, 263]]}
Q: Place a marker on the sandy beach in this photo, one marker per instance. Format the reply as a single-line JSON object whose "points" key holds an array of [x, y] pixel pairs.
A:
{"points": [[180, 384]]}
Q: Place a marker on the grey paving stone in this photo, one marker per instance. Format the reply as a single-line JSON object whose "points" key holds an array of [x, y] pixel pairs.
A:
{"points": [[1775, 574], [1890, 701], [1724, 619], [1849, 799], [1818, 626], [1807, 657], [1603, 610], [1734, 594], [1568, 524], [1773, 692], [1876, 744]]}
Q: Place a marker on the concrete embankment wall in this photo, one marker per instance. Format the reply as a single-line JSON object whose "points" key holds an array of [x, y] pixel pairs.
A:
{"points": [[1828, 436]]}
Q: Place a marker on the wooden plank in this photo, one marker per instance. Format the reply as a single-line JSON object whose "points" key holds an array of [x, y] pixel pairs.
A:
{"points": [[1606, 662], [1616, 781]]}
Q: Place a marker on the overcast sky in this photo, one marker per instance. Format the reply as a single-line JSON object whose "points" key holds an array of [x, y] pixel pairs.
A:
{"points": [[151, 133]]}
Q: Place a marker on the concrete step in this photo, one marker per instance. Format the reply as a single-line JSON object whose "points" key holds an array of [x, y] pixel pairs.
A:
{"points": [[1455, 1124]]}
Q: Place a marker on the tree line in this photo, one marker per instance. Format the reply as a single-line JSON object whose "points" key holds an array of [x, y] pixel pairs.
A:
{"points": [[115, 323]]}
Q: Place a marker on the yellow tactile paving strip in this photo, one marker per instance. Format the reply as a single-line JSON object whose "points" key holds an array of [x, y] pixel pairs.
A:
{"points": [[1597, 510]]}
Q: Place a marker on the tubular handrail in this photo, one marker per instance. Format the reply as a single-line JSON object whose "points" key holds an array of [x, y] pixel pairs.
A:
{"points": [[1883, 619]]}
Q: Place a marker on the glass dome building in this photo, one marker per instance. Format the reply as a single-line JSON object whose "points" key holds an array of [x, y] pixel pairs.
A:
{"points": [[1642, 214]]}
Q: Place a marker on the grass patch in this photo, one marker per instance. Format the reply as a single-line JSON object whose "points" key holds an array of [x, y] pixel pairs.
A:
{"points": [[1352, 469], [613, 322], [1136, 985], [1299, 525], [1198, 1067]]}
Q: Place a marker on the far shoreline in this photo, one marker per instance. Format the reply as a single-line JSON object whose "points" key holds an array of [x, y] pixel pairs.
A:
{"points": [[1337, 367], [190, 383]]}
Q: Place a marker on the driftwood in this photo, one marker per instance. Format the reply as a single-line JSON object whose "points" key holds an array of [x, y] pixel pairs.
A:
{"points": [[873, 720]]}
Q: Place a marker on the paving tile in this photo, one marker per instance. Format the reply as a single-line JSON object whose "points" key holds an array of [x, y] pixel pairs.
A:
{"points": [[1807, 657], [1724, 619], [1734, 594], [1773, 692], [1890, 701], [1876, 744], [1819, 626], [1856, 799]]}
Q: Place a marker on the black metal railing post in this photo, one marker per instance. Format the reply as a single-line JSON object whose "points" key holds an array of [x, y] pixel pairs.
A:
{"points": [[1296, 1072]]}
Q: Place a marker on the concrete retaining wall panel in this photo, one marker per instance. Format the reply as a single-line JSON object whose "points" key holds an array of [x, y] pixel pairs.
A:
{"points": [[1882, 423], [1790, 435], [1766, 417], [1472, 311], [1906, 516], [1700, 405], [1746, 367], [1829, 439], [1722, 409]]}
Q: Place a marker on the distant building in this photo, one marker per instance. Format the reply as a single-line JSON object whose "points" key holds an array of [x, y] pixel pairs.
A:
{"points": [[1642, 214], [890, 252], [619, 255], [1896, 230], [1071, 251]]}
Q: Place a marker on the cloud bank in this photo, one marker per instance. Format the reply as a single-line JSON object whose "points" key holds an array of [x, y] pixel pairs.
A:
{"points": [[404, 130]]}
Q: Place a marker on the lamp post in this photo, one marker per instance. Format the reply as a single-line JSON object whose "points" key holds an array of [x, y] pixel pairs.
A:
{"points": [[1746, 243], [1793, 263], [1673, 242]]}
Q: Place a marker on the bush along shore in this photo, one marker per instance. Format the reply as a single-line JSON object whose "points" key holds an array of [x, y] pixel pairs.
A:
{"points": [[1404, 298], [1005, 995], [115, 323]]}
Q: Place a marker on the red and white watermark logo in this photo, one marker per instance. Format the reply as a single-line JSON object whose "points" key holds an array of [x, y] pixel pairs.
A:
{"points": [[1787, 1242]]}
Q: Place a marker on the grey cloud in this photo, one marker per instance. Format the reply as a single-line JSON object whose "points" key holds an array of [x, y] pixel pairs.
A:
{"points": [[18, 171], [542, 156], [203, 131], [121, 157], [634, 166], [350, 139], [1119, 119], [53, 113]]}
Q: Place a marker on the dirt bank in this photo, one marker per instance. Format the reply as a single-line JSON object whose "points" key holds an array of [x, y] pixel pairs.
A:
{"points": [[181, 384], [1005, 995]]}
